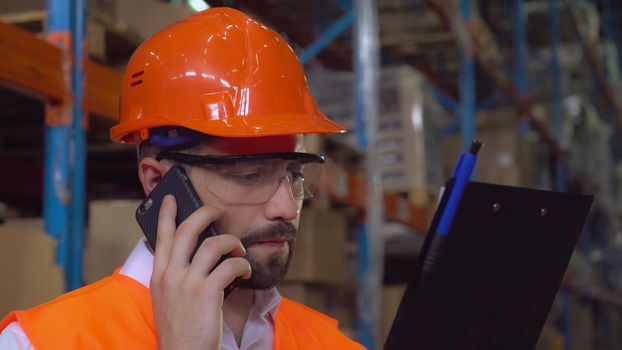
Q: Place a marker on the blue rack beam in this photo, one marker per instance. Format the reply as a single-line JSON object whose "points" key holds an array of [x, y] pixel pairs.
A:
{"points": [[496, 74], [595, 63], [327, 37]]}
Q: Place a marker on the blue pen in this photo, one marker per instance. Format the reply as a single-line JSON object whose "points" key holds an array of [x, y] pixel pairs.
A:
{"points": [[460, 177]]}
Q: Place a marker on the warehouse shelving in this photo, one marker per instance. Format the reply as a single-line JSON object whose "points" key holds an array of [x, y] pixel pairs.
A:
{"points": [[35, 67], [488, 57]]}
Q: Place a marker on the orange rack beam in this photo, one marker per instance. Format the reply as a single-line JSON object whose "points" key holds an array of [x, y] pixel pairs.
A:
{"points": [[103, 85], [349, 189], [34, 66], [29, 63]]}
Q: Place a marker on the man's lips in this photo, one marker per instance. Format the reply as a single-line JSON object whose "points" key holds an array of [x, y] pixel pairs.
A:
{"points": [[273, 240]]}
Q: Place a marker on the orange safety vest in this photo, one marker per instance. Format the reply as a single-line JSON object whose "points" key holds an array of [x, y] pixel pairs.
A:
{"points": [[116, 313]]}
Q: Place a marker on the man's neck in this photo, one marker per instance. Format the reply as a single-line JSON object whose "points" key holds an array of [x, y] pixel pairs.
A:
{"points": [[236, 309]]}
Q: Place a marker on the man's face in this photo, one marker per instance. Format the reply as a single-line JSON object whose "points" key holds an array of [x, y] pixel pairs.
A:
{"points": [[267, 230]]}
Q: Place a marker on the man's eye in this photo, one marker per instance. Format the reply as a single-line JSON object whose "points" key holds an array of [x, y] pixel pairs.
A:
{"points": [[297, 174], [248, 178]]}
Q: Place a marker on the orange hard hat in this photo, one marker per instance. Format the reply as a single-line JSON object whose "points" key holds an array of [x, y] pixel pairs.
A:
{"points": [[217, 72]]}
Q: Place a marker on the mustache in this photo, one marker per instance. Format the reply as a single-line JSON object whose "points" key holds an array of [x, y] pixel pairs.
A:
{"points": [[277, 230]]}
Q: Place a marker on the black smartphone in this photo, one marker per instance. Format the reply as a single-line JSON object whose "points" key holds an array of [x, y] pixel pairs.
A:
{"points": [[176, 183]]}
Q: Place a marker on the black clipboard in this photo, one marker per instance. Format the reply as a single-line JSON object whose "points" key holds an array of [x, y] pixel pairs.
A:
{"points": [[502, 264]]}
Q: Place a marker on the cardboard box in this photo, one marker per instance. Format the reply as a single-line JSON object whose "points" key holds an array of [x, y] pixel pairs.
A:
{"points": [[112, 234], [29, 274], [581, 322], [506, 158], [391, 298], [334, 302], [551, 339], [319, 254], [312, 296], [409, 124], [153, 15]]}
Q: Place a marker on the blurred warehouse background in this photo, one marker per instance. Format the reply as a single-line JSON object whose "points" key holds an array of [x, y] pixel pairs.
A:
{"points": [[538, 81]]}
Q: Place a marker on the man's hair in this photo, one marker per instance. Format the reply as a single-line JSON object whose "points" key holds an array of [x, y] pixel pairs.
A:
{"points": [[147, 149]]}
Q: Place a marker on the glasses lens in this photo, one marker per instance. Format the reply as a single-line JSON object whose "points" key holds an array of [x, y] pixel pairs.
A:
{"points": [[256, 181], [305, 177]]}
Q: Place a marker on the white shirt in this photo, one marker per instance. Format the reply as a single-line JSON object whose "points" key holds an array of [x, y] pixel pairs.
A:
{"points": [[258, 330]]}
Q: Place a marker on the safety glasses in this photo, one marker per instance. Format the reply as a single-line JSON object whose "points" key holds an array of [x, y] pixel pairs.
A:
{"points": [[253, 179]]}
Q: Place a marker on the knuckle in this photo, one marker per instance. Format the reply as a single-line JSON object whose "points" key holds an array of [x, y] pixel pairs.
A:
{"points": [[211, 212], [220, 242], [191, 285], [237, 264], [229, 240], [183, 226], [206, 249]]}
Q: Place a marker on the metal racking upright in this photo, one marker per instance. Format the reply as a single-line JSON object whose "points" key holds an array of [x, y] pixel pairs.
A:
{"points": [[72, 89], [366, 66], [370, 241], [65, 155]]}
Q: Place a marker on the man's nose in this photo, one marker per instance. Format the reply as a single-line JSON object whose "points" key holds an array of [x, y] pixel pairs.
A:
{"points": [[282, 205]]}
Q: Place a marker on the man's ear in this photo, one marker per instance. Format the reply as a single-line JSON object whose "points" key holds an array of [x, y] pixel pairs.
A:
{"points": [[150, 172]]}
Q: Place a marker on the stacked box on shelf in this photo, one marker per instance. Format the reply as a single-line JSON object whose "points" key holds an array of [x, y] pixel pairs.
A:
{"points": [[317, 274], [28, 268], [319, 251], [581, 322], [576, 77], [400, 135], [334, 93], [408, 124], [153, 15], [335, 302], [507, 156], [612, 64], [112, 234], [391, 299], [550, 338]]}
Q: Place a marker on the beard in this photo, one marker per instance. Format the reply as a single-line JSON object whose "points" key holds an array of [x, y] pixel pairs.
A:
{"points": [[267, 273]]}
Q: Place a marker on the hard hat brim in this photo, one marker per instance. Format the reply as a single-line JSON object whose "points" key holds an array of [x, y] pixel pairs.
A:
{"points": [[251, 126]]}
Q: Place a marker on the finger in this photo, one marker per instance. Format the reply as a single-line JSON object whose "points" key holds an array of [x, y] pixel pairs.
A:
{"points": [[225, 273], [211, 251], [165, 234], [188, 232]]}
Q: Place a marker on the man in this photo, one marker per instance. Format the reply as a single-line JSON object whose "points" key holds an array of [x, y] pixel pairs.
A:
{"points": [[226, 98]]}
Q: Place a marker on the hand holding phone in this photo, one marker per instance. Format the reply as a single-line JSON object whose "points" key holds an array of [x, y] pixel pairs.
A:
{"points": [[187, 297], [175, 182], [187, 293]]}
